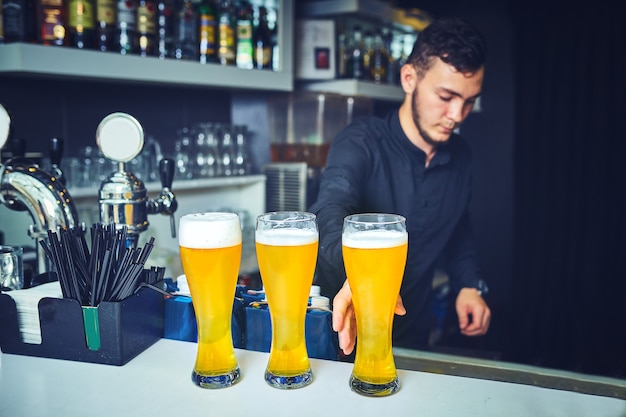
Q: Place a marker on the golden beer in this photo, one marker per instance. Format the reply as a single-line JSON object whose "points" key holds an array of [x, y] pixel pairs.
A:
{"points": [[374, 258], [287, 258], [210, 252]]}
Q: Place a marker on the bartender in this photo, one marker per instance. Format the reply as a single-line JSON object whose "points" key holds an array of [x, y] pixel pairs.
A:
{"points": [[412, 163]]}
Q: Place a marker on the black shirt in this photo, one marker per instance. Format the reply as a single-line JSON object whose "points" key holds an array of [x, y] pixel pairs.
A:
{"points": [[372, 167]]}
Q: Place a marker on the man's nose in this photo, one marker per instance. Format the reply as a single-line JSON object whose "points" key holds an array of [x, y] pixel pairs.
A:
{"points": [[455, 111]]}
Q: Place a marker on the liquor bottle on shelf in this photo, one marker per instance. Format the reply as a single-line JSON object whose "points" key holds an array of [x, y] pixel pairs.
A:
{"points": [[106, 23], [165, 30], [14, 20], [147, 28], [226, 52], [272, 19], [244, 57], [186, 38], [81, 24], [126, 32], [368, 42], [208, 31], [51, 22], [263, 42], [342, 55], [378, 60], [355, 60]]}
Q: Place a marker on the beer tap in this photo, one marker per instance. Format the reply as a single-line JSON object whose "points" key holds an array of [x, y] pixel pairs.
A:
{"points": [[123, 198], [24, 186]]}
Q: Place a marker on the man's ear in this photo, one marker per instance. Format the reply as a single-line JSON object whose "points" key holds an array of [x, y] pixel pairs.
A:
{"points": [[408, 78]]}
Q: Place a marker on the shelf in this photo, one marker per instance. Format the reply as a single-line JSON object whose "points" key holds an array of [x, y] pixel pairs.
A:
{"points": [[379, 11], [180, 185], [385, 92], [52, 62]]}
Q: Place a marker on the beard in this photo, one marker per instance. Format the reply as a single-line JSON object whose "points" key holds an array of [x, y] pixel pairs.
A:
{"points": [[415, 112]]}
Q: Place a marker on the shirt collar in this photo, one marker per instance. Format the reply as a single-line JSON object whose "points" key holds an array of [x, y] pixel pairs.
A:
{"points": [[442, 156]]}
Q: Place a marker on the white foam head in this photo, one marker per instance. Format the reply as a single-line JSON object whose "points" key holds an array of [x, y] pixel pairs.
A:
{"points": [[286, 236], [209, 230], [370, 239]]}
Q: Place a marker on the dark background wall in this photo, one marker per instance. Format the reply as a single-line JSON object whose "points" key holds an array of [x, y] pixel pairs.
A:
{"points": [[548, 177]]}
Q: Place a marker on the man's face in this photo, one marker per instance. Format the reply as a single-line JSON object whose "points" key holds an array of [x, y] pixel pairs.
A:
{"points": [[442, 99]]}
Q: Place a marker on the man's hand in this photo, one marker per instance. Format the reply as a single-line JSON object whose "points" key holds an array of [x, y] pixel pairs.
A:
{"points": [[344, 319], [470, 303]]}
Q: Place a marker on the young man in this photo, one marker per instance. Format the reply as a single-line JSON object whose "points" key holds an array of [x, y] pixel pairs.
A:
{"points": [[412, 163]]}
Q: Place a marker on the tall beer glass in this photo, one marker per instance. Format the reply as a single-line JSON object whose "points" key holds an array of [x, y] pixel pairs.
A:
{"points": [[374, 255], [210, 252], [286, 247]]}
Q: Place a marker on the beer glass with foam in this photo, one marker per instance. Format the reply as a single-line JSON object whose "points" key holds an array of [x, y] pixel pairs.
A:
{"points": [[286, 247], [374, 254], [210, 253]]}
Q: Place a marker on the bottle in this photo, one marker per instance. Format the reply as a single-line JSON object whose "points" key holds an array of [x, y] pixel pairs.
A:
{"points": [[147, 28], [378, 61], [126, 33], [186, 38], [355, 61], [395, 55], [81, 24], [51, 22], [368, 41], [14, 20], [207, 30], [226, 34], [342, 55], [244, 58], [106, 22], [164, 28], [263, 42]]}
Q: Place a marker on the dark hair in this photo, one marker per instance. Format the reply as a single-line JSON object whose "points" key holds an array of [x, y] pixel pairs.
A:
{"points": [[454, 40]]}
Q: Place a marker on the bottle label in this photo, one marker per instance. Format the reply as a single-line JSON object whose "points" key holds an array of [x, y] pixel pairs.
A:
{"points": [[13, 20], [227, 43], [207, 34], [244, 44], [53, 25], [81, 15], [126, 16], [106, 12], [146, 19]]}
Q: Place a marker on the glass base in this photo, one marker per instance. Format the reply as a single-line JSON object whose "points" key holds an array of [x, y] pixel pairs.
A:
{"points": [[289, 382], [216, 381], [374, 390]]}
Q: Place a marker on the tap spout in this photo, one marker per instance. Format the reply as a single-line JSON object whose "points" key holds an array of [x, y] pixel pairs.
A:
{"points": [[26, 187]]}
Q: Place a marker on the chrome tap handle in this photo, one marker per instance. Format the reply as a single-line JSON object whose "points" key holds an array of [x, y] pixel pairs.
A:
{"points": [[166, 172], [56, 151], [167, 200]]}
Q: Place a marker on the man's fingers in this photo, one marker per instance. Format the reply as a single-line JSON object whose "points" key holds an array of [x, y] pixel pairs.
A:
{"points": [[400, 310]]}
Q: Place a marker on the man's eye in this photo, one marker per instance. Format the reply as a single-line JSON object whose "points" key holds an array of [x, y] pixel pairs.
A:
{"points": [[445, 98]]}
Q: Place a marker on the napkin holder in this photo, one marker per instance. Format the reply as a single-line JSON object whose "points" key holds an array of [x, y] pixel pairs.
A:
{"points": [[126, 328]]}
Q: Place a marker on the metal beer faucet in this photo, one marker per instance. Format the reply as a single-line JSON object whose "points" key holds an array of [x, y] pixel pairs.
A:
{"points": [[123, 198], [24, 186]]}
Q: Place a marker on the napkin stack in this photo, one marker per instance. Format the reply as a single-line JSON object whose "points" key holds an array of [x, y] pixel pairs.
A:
{"points": [[27, 305]]}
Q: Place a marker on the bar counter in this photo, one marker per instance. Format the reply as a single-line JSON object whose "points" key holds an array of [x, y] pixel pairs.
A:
{"points": [[158, 383]]}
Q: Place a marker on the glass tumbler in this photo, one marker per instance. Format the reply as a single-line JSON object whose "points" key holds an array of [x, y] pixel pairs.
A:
{"points": [[374, 249], [210, 253], [286, 247]]}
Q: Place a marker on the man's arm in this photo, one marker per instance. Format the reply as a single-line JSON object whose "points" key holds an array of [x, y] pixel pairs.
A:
{"points": [[463, 269], [341, 190]]}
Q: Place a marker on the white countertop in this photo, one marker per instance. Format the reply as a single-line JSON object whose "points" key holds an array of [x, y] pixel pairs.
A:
{"points": [[158, 383]]}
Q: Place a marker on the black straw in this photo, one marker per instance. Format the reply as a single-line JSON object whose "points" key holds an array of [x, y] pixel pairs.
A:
{"points": [[110, 272]]}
